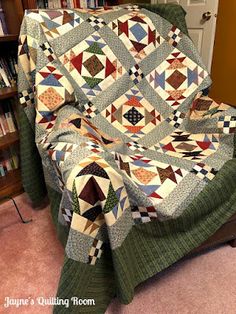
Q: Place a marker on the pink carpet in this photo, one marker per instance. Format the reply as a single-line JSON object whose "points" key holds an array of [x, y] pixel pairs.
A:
{"points": [[31, 260]]}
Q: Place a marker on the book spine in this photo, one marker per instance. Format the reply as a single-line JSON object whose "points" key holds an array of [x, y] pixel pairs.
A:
{"points": [[15, 158], [50, 4], [57, 4], [1, 29], [14, 116], [101, 3], [8, 164], [4, 77], [77, 4], [2, 83], [2, 172], [41, 4], [92, 4], [64, 4], [3, 122], [8, 72], [4, 166], [3, 22], [7, 117], [1, 131], [10, 122], [12, 67], [84, 4], [2, 126]]}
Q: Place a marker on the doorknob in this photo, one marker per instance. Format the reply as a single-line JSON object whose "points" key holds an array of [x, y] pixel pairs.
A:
{"points": [[206, 16]]}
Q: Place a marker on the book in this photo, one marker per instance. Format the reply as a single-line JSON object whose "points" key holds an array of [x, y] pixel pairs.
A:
{"points": [[1, 29], [77, 4], [64, 4], [70, 4], [9, 160], [40, 4], [9, 115], [101, 3], [8, 121], [50, 4], [3, 25], [4, 77], [91, 4], [8, 71]]}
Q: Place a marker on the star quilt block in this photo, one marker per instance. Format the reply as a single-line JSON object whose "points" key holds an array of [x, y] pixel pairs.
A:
{"points": [[182, 144], [137, 33], [176, 78], [56, 23], [53, 90], [155, 179], [93, 65], [132, 114]]}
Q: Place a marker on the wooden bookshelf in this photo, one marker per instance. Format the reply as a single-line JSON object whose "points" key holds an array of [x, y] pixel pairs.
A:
{"points": [[9, 139], [10, 184], [29, 4], [9, 37], [8, 92], [32, 4]]}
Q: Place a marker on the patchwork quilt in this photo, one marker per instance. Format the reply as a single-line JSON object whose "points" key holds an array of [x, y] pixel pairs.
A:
{"points": [[138, 160]]}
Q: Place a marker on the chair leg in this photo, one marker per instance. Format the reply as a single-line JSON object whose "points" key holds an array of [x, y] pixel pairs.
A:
{"points": [[18, 211], [232, 243]]}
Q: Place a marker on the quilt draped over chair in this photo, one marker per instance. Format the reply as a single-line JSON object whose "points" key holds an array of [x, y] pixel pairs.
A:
{"points": [[138, 160]]}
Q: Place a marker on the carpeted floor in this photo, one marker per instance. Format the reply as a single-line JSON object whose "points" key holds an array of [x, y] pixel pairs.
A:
{"points": [[31, 259]]}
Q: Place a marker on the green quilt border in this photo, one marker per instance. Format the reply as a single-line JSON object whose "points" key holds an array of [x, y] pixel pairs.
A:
{"points": [[149, 248]]}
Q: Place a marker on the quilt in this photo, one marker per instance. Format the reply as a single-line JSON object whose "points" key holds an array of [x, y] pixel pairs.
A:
{"points": [[133, 150]]}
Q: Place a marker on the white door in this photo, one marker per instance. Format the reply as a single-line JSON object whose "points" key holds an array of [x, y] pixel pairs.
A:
{"points": [[201, 23]]}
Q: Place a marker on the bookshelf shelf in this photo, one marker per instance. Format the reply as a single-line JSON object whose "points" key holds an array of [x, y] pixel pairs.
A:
{"points": [[11, 183], [8, 140], [12, 14], [9, 37], [7, 92]]}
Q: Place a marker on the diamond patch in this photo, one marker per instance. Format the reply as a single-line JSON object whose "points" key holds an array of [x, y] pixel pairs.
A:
{"points": [[132, 114], [182, 144], [137, 33], [93, 65], [176, 78], [51, 98]]}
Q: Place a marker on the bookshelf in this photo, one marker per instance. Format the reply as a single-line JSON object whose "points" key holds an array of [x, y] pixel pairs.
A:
{"points": [[10, 184], [9, 37], [8, 140], [7, 92], [32, 4]]}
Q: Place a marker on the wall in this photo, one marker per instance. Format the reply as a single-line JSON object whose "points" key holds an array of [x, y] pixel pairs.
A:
{"points": [[224, 57]]}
